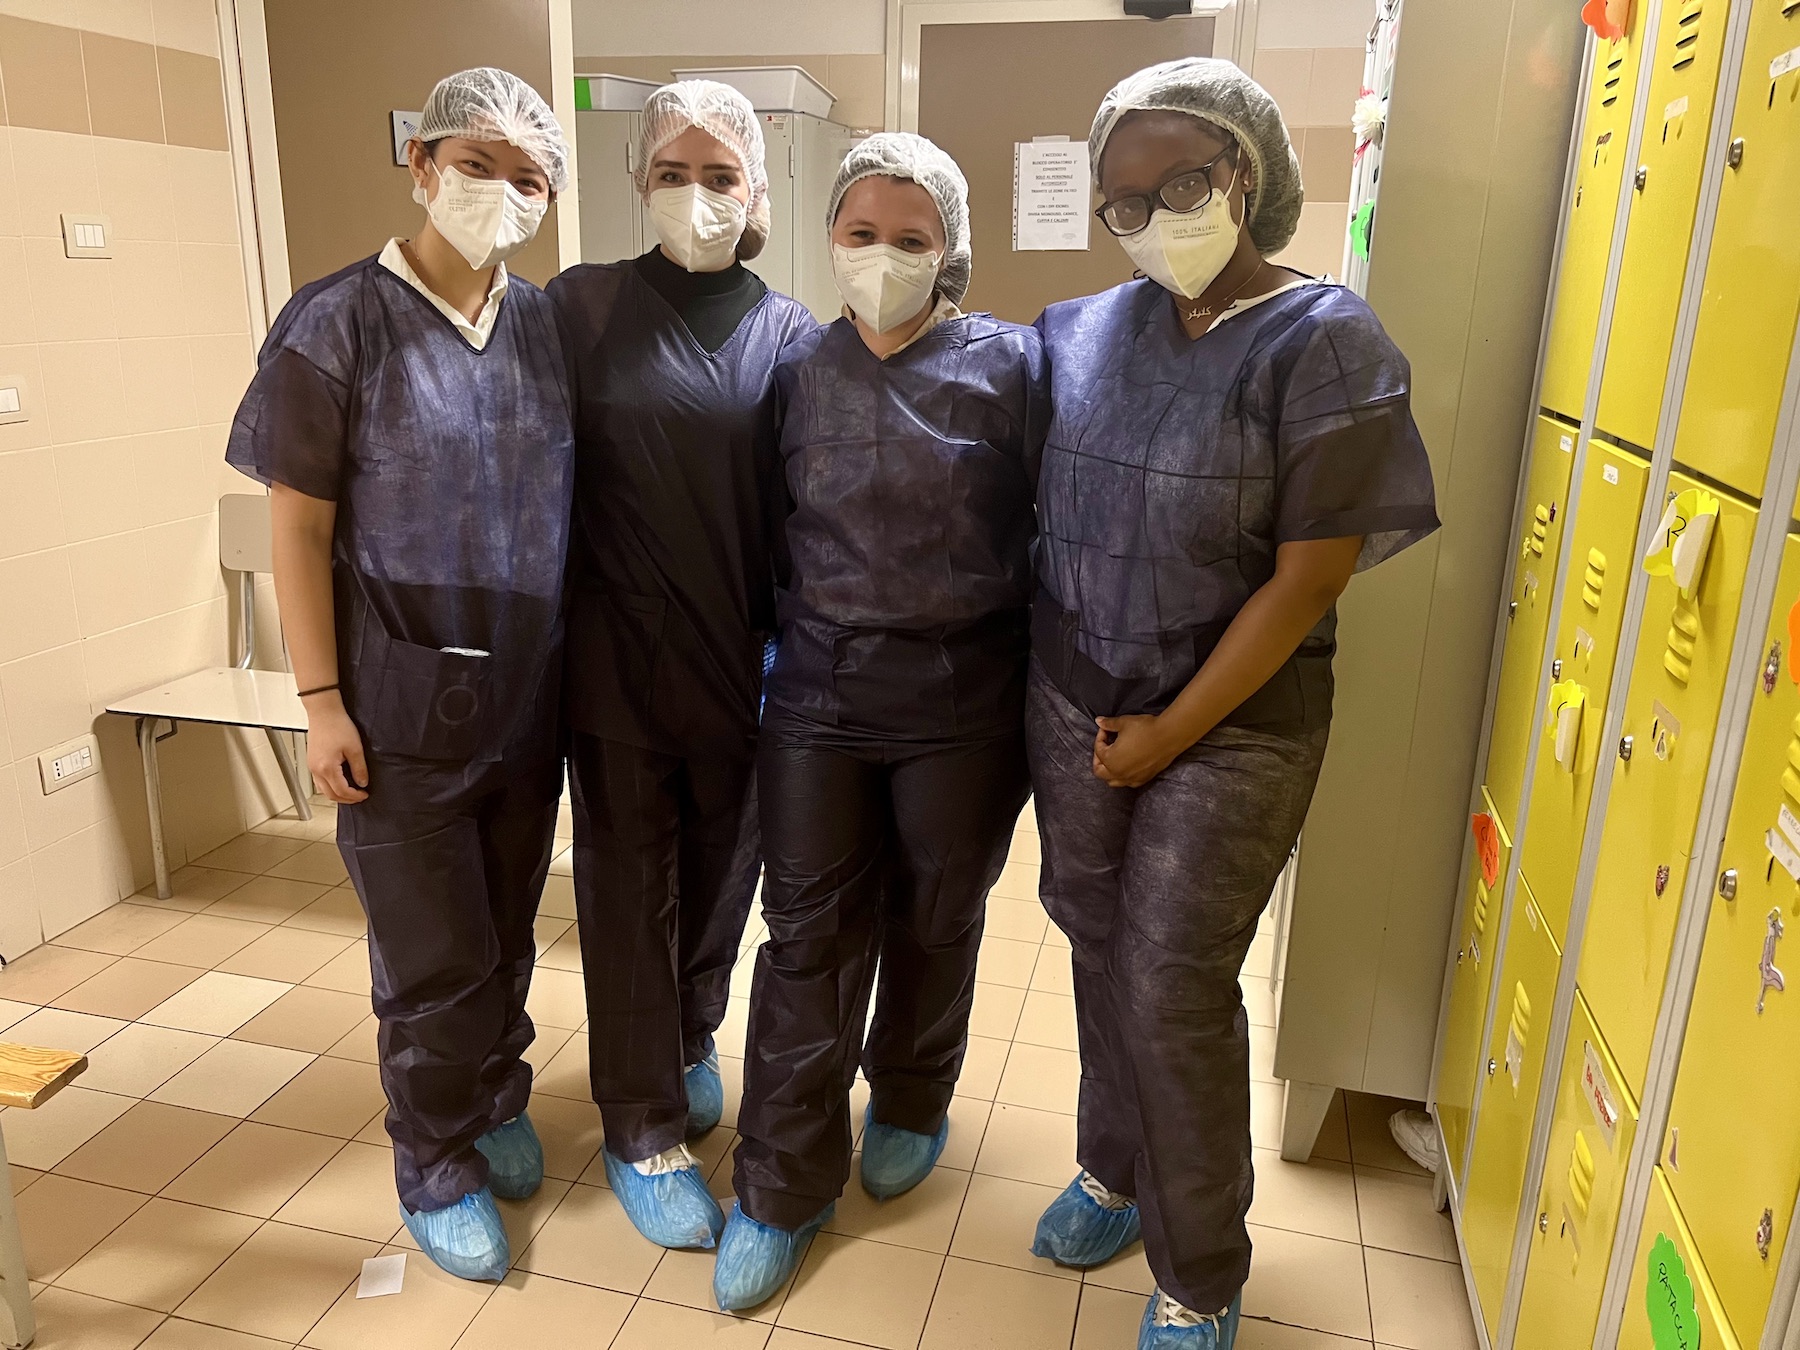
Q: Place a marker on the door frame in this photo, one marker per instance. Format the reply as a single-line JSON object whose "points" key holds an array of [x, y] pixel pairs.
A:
{"points": [[1234, 36]]}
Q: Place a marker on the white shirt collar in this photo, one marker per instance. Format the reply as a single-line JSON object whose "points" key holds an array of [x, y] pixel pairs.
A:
{"points": [[942, 311], [476, 334]]}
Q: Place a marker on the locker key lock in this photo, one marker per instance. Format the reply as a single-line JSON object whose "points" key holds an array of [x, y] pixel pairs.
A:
{"points": [[1556, 669], [1765, 1233], [1493, 1067], [1544, 1222], [1625, 744], [1643, 176], [1728, 884], [1512, 609], [1734, 154]]}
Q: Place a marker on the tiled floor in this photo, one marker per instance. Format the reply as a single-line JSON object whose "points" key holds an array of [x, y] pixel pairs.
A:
{"points": [[217, 1177]]}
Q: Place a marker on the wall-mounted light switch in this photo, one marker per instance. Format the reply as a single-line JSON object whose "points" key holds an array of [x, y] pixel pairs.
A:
{"points": [[87, 236], [12, 403], [70, 763]]}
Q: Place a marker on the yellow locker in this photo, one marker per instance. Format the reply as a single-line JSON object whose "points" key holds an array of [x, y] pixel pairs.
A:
{"points": [[1732, 1152], [1587, 240], [1684, 77], [1578, 1208], [1672, 1299], [1514, 1070], [1752, 290], [1587, 639], [1528, 609], [1469, 998], [1671, 710]]}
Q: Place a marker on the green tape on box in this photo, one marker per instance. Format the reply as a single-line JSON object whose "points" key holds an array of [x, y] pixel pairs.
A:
{"points": [[584, 99], [1669, 1299]]}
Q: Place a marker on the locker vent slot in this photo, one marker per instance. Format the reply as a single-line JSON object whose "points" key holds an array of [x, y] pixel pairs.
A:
{"points": [[1615, 75], [1790, 776], [1521, 1015], [1540, 529], [1687, 36], [1581, 1176], [1481, 891], [1593, 580], [1684, 630]]}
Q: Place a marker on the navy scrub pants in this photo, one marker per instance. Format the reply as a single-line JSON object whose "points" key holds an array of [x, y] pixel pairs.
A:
{"points": [[449, 861], [1159, 889], [666, 862], [875, 850]]}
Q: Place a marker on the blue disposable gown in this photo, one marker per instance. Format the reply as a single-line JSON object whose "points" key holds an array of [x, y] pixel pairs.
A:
{"points": [[910, 483], [452, 470], [1176, 467], [672, 589]]}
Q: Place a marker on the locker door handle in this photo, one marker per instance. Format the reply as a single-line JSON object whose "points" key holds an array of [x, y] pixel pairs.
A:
{"points": [[1493, 1067], [1512, 609], [1556, 669], [1625, 744], [1734, 154], [1544, 1222], [1643, 176], [1728, 880]]}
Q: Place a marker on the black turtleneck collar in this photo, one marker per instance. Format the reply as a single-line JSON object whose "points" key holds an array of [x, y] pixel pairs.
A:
{"points": [[711, 304]]}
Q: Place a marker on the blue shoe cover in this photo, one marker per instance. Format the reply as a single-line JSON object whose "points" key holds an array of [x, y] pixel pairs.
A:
{"points": [[705, 1095], [1169, 1326], [1078, 1231], [515, 1158], [671, 1207], [467, 1239], [895, 1160], [755, 1260]]}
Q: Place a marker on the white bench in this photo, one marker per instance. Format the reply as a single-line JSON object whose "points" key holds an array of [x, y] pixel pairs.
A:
{"points": [[233, 696]]}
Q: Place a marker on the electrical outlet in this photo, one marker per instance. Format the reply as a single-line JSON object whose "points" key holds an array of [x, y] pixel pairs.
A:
{"points": [[70, 763]]}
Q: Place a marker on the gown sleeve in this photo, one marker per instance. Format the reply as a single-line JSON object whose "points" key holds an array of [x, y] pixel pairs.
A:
{"points": [[1348, 457], [292, 427], [1035, 424]]}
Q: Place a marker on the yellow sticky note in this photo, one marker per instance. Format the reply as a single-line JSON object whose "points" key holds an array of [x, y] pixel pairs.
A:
{"points": [[1683, 536]]}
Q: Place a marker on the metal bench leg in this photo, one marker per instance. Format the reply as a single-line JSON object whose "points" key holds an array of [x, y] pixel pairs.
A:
{"points": [[146, 731], [18, 1323], [284, 756]]}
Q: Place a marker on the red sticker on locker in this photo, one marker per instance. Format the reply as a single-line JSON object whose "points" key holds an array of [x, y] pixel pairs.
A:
{"points": [[1487, 846]]}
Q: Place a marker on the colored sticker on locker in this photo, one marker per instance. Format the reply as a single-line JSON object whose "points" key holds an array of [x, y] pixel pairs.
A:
{"points": [[1567, 699], [1610, 472], [1675, 109], [1487, 846], [1669, 1299], [1682, 538], [1599, 1094], [1566, 444], [1782, 64], [1784, 853]]}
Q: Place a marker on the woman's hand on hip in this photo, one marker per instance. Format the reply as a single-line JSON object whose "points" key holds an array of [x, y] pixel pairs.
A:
{"points": [[1130, 751], [334, 750]]}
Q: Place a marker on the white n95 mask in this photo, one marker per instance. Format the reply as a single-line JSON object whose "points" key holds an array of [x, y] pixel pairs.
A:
{"points": [[1184, 252], [487, 221], [883, 285], [698, 226]]}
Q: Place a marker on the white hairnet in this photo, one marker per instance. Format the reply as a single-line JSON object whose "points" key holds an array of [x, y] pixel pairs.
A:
{"points": [[724, 114], [485, 104], [1218, 92], [900, 154]]}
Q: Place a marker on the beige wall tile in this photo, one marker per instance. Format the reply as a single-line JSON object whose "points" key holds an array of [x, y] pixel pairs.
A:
{"points": [[46, 699], [1336, 78], [100, 479], [30, 506], [1286, 72], [13, 842], [121, 18], [193, 97], [183, 558], [20, 927], [1326, 162], [213, 277], [17, 320], [113, 585], [84, 390], [74, 881], [41, 64], [137, 188], [1318, 245], [147, 289], [222, 370], [71, 297], [37, 609], [190, 25], [157, 378], [42, 11], [60, 168], [124, 93], [9, 193], [206, 209], [174, 476], [54, 816]]}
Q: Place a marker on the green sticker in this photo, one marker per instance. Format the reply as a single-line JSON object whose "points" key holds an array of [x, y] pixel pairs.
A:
{"points": [[584, 97], [1362, 224], [1669, 1299]]}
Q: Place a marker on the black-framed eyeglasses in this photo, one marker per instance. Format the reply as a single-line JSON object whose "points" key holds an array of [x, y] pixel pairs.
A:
{"points": [[1187, 191]]}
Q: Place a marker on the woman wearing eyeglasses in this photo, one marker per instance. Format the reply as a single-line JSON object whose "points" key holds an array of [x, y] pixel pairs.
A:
{"points": [[1231, 441]]}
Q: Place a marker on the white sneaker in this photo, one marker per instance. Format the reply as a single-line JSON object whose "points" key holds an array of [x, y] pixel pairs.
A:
{"points": [[1417, 1136]]}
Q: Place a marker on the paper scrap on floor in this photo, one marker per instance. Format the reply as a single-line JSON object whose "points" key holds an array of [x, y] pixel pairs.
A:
{"points": [[382, 1275]]}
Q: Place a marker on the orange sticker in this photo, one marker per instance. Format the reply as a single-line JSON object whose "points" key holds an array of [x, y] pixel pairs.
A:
{"points": [[1487, 846], [1608, 18]]}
